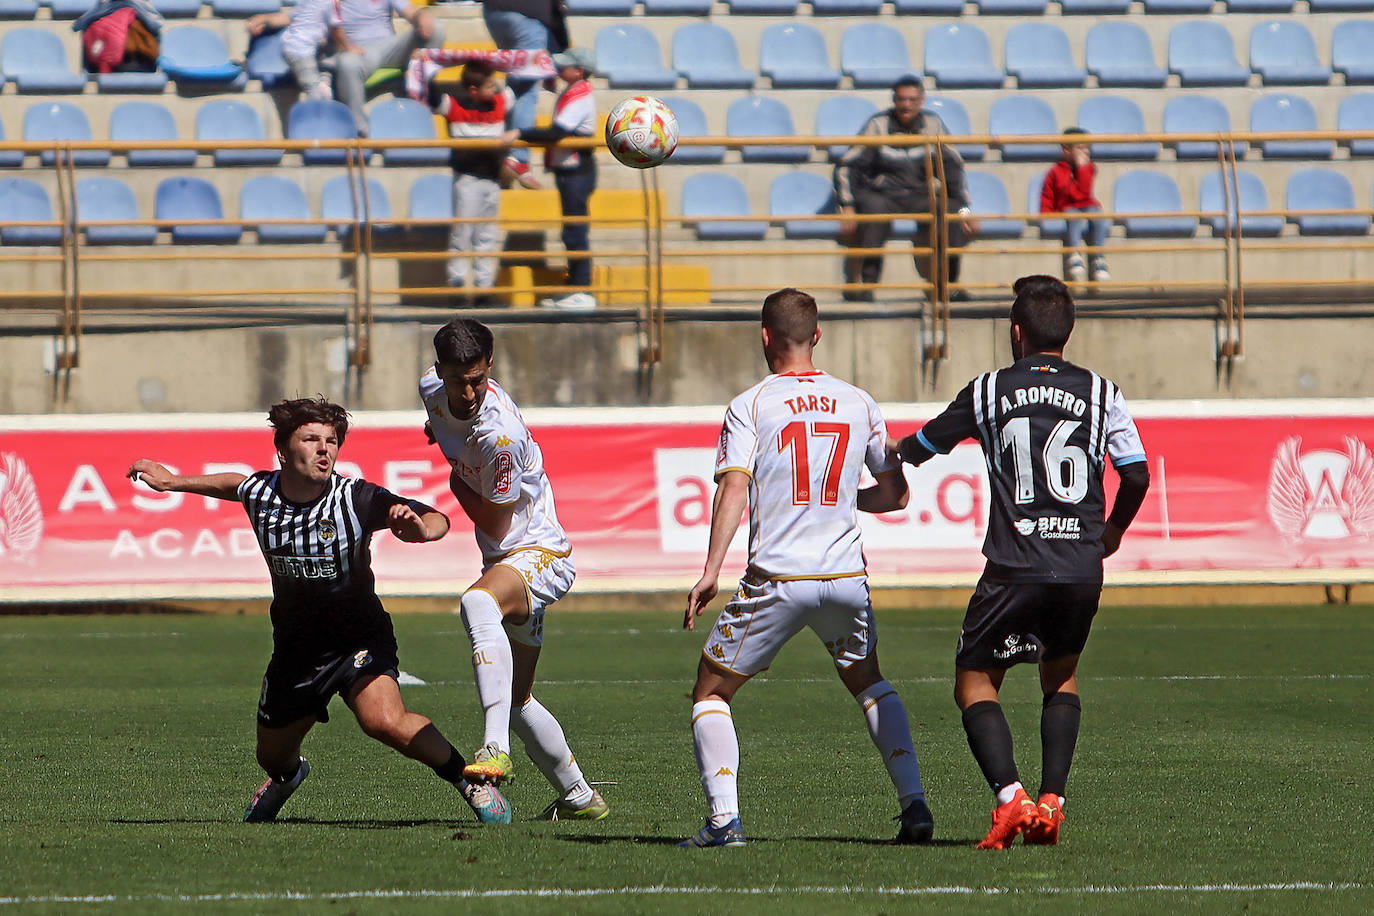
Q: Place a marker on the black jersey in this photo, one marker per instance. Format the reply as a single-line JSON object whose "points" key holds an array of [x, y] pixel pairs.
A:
{"points": [[1046, 427], [324, 597]]}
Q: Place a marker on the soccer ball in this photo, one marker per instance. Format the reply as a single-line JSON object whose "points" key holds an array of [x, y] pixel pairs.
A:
{"points": [[641, 132]]}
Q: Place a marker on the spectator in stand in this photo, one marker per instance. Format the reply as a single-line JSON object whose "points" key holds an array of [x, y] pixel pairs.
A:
{"points": [[525, 25], [367, 41], [1068, 189], [307, 28], [120, 36]]}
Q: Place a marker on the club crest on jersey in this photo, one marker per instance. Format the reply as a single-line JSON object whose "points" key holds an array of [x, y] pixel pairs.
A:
{"points": [[327, 531], [21, 516], [362, 658], [502, 484], [1321, 494]]}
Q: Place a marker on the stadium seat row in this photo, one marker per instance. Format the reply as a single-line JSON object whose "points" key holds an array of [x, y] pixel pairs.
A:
{"points": [[170, 9], [956, 7]]}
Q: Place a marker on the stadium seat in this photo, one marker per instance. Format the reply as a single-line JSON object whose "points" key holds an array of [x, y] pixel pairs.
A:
{"points": [[1213, 196], [1049, 228], [1284, 54], [58, 121], [405, 119], [153, 82], [242, 9], [705, 55], [1356, 112], [1120, 54], [322, 119], [1281, 111], [715, 194], [1177, 7], [148, 121], [1352, 51], [793, 55], [959, 56], [762, 7], [677, 7], [198, 58], [628, 57], [1150, 192], [431, 197], [929, 7], [1039, 56], [22, 200], [600, 7], [178, 9], [846, 7], [1112, 114], [10, 158], [278, 197], [337, 203], [691, 122], [840, 116], [1095, 7], [266, 64], [18, 9], [1259, 6], [802, 194], [989, 202], [230, 119], [110, 200], [955, 118], [1019, 116], [1198, 114], [760, 116], [874, 56], [185, 198], [1203, 54], [1011, 7], [69, 9], [35, 60], [1323, 189], [1340, 6]]}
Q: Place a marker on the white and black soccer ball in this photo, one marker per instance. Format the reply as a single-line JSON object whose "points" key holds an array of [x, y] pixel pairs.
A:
{"points": [[641, 132]]}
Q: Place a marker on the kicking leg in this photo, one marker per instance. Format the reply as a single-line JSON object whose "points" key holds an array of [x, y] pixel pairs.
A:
{"points": [[498, 595], [279, 753], [717, 752]]}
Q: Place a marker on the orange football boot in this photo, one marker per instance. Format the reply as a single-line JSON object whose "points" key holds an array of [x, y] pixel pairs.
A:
{"points": [[1049, 815], [1010, 819]]}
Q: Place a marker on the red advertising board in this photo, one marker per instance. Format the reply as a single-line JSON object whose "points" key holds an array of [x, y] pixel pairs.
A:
{"points": [[1250, 490]]}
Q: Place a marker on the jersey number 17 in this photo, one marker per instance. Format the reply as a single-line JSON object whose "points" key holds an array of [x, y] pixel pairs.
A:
{"points": [[797, 436]]}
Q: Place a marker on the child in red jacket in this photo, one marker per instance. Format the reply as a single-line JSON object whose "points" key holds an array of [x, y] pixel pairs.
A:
{"points": [[1068, 188]]}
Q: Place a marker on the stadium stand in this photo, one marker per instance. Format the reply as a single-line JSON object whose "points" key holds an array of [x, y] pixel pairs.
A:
{"points": [[691, 122], [36, 62], [628, 57], [793, 56], [21, 201], [959, 56], [759, 116], [1150, 192], [717, 194], [186, 200], [706, 56], [874, 56], [1323, 190], [1038, 55], [1024, 115], [139, 120], [793, 194], [1119, 54], [270, 197], [1213, 196], [1284, 54], [106, 199], [1111, 114]]}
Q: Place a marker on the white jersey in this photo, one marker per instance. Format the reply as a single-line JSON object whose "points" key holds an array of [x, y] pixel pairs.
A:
{"points": [[495, 454], [803, 439]]}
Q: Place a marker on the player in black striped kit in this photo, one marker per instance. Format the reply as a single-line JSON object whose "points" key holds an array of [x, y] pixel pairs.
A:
{"points": [[1047, 428], [330, 634]]}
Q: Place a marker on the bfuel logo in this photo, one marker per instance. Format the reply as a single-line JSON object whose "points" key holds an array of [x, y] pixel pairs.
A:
{"points": [[21, 516], [1321, 494]]}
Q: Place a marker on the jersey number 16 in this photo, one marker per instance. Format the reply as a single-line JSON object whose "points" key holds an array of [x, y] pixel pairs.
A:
{"points": [[1066, 466]]}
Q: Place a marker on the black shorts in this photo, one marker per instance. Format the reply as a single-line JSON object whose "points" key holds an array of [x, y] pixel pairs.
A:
{"points": [[1013, 622], [293, 689]]}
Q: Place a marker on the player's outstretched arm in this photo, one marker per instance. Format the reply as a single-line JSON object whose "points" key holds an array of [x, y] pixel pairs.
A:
{"points": [[414, 527], [732, 495], [1135, 482], [493, 518], [220, 486], [888, 493]]}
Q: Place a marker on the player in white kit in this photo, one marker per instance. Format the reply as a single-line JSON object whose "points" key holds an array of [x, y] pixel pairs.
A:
{"points": [[498, 478], [792, 447]]}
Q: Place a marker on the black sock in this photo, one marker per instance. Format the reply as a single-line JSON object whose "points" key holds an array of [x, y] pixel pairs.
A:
{"points": [[1058, 734], [452, 771], [989, 737], [290, 775]]}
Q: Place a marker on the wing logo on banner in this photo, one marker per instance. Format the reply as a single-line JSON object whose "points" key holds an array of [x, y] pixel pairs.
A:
{"points": [[1321, 494], [21, 516]]}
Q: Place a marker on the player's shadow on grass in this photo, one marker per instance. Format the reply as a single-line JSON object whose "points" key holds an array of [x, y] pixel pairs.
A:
{"points": [[357, 824], [875, 841], [606, 839]]}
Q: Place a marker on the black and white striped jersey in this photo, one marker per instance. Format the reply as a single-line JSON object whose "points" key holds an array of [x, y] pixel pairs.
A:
{"points": [[324, 597], [1047, 428]]}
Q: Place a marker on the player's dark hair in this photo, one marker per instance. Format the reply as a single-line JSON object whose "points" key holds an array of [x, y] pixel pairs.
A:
{"points": [[475, 74], [910, 81], [791, 315], [290, 415], [463, 342], [1044, 311]]}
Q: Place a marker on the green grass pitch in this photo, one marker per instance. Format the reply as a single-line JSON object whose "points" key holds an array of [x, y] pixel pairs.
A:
{"points": [[1223, 767]]}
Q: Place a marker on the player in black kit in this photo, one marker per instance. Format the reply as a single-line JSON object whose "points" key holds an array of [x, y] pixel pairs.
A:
{"points": [[330, 634], [1047, 428]]}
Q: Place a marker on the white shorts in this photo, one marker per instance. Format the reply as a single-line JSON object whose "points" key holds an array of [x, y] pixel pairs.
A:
{"points": [[764, 615], [548, 576]]}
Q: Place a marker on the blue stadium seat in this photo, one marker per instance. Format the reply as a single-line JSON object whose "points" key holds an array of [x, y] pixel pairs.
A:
{"points": [[1150, 192], [1049, 228], [1259, 6], [1019, 116], [1177, 7], [846, 7], [793, 55], [1281, 111], [762, 7], [178, 9], [1341, 6], [1352, 51], [110, 200], [1323, 189], [1357, 113], [929, 7], [1112, 114], [431, 197], [131, 81], [1213, 196], [705, 54], [10, 158], [1120, 54], [22, 200], [185, 198], [802, 194], [336, 203], [18, 9], [629, 58], [716, 194], [1284, 54], [46, 121], [1039, 56], [242, 9], [35, 60], [842, 115], [230, 119], [404, 119], [1095, 7], [197, 57], [874, 56], [278, 197], [989, 202], [1198, 114], [955, 118], [1011, 7], [691, 122], [148, 121], [760, 116], [322, 119], [959, 56], [69, 9], [1203, 54], [266, 63], [677, 7], [600, 7]]}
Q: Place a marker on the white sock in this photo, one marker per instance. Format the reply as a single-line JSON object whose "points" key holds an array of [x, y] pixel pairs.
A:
{"points": [[891, 733], [491, 663], [717, 747], [1007, 793], [548, 748]]}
